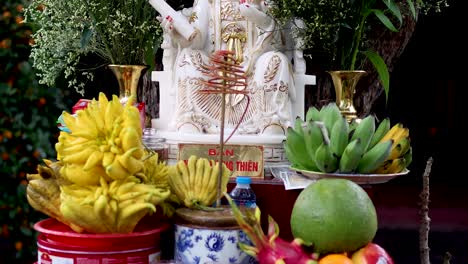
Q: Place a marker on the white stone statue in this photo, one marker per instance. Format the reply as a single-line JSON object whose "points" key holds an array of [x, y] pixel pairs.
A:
{"points": [[274, 67]]}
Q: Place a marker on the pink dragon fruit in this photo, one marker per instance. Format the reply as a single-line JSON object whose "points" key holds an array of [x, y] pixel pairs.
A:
{"points": [[269, 249]]}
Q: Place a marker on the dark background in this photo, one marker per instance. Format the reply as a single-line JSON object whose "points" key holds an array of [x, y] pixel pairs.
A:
{"points": [[428, 94]]}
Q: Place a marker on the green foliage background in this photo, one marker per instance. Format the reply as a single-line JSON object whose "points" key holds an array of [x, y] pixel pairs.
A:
{"points": [[28, 132]]}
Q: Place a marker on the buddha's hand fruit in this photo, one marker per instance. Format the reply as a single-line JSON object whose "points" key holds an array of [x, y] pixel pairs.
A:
{"points": [[104, 140]]}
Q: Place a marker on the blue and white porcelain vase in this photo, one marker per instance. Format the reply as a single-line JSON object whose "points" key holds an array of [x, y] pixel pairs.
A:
{"points": [[209, 237]]}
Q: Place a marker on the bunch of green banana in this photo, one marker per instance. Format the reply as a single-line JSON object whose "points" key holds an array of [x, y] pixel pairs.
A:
{"points": [[326, 142], [196, 182], [401, 153], [105, 140], [110, 208]]}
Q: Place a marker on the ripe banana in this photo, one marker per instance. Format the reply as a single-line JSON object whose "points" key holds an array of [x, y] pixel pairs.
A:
{"points": [[400, 148], [401, 152], [391, 166], [200, 169], [191, 165], [393, 130], [205, 181], [373, 158], [211, 198]]}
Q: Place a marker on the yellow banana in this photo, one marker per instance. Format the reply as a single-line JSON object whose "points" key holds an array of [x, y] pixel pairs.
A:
{"points": [[212, 185], [184, 173], [200, 168], [400, 134], [191, 165], [175, 182], [391, 133], [397, 165], [224, 180], [207, 177], [400, 148]]}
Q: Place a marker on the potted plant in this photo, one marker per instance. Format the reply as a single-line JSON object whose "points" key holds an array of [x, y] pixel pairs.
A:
{"points": [[366, 35], [77, 38]]}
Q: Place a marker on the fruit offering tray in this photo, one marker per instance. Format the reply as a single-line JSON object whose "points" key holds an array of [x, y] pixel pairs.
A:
{"points": [[357, 178]]}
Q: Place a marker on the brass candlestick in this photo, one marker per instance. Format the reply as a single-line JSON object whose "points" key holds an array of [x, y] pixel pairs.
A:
{"points": [[345, 86]]}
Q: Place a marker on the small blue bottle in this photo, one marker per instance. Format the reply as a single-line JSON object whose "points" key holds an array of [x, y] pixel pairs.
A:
{"points": [[242, 194]]}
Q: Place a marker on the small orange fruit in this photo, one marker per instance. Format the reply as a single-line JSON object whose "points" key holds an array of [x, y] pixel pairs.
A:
{"points": [[335, 259]]}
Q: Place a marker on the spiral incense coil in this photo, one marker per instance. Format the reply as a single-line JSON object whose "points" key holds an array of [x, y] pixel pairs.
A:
{"points": [[227, 77]]}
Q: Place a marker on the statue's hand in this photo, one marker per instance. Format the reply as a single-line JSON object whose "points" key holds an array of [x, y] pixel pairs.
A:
{"points": [[252, 13], [167, 24]]}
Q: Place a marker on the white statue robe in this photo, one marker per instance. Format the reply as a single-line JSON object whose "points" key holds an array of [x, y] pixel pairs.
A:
{"points": [[259, 44]]}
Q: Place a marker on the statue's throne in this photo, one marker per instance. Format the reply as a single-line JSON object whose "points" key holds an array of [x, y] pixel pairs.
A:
{"points": [[273, 147]]}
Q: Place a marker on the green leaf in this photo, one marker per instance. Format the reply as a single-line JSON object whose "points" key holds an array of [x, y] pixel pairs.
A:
{"points": [[394, 9], [85, 37], [149, 59], [384, 19], [381, 68], [412, 8]]}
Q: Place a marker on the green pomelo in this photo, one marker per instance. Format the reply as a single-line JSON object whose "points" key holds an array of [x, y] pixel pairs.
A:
{"points": [[334, 216]]}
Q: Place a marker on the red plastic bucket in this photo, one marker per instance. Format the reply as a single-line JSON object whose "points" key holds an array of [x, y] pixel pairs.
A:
{"points": [[58, 244]]}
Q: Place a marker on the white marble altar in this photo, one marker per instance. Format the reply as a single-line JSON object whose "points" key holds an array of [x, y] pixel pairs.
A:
{"points": [[271, 58]]}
